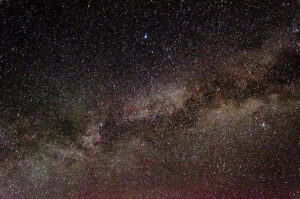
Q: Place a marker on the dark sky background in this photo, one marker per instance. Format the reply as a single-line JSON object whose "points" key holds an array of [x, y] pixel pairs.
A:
{"points": [[125, 44]]}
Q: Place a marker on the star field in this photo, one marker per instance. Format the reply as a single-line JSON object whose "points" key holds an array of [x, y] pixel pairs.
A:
{"points": [[149, 99]]}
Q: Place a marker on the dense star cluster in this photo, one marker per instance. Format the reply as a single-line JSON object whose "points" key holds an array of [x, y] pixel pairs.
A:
{"points": [[149, 99]]}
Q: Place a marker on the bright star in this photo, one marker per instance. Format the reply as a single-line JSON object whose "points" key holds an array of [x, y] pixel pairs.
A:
{"points": [[145, 36]]}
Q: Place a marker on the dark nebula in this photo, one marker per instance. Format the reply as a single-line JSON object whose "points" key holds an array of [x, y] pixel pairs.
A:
{"points": [[149, 99]]}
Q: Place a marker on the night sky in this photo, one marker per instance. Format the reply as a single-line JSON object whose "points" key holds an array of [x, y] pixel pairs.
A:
{"points": [[149, 99]]}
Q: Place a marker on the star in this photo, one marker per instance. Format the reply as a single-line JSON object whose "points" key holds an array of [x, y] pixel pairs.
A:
{"points": [[146, 36]]}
